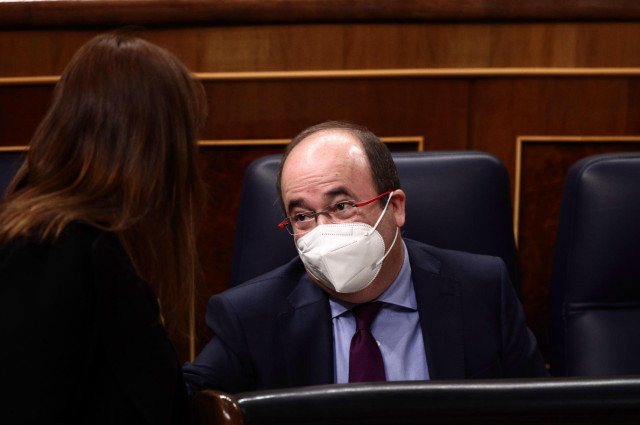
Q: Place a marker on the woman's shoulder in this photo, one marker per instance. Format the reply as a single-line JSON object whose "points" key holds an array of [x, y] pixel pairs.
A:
{"points": [[102, 247], [32, 253], [77, 235], [83, 234], [80, 253]]}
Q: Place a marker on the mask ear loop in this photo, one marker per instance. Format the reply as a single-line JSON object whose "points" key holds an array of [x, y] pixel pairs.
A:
{"points": [[395, 238], [381, 215]]}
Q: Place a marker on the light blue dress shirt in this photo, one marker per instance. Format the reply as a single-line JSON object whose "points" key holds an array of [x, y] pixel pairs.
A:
{"points": [[396, 328]]}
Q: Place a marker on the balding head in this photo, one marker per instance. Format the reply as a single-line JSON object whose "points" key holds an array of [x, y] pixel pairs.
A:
{"points": [[381, 166]]}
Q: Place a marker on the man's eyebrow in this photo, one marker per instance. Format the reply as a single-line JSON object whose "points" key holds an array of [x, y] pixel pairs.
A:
{"points": [[337, 192], [330, 195], [294, 203]]}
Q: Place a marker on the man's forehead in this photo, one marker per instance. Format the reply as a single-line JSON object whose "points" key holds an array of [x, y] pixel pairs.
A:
{"points": [[323, 162]]}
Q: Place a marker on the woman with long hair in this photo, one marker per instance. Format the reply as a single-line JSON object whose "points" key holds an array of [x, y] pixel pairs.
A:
{"points": [[97, 224]]}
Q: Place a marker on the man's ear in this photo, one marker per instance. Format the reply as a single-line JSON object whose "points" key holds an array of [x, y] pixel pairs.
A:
{"points": [[396, 204]]}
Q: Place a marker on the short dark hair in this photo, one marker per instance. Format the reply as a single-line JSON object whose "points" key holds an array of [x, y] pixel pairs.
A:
{"points": [[383, 169]]}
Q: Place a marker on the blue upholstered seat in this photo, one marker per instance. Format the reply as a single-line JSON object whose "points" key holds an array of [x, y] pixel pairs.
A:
{"points": [[595, 284], [9, 164]]}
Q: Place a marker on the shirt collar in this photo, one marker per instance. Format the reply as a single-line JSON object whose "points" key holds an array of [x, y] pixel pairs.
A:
{"points": [[400, 292]]}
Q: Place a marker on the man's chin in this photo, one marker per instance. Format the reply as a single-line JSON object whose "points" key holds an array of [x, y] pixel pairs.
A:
{"points": [[362, 296]]}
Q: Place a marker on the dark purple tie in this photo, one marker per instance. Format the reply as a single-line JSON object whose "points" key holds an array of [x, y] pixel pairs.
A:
{"points": [[365, 359]]}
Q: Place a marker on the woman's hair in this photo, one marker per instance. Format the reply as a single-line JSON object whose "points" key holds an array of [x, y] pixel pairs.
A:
{"points": [[117, 149]]}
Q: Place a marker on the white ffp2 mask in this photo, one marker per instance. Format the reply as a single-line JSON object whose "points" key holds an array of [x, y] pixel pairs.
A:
{"points": [[345, 257]]}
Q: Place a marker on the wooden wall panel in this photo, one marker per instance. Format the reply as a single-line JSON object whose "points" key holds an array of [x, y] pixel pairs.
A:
{"points": [[507, 108], [22, 107], [433, 108], [351, 46]]}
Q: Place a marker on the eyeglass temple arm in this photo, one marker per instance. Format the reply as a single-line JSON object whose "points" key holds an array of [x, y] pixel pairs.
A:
{"points": [[361, 204]]}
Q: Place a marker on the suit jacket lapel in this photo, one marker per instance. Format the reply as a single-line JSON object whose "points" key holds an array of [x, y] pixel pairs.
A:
{"points": [[307, 335], [440, 315]]}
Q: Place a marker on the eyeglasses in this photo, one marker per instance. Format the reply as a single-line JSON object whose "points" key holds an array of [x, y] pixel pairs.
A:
{"points": [[305, 221]]}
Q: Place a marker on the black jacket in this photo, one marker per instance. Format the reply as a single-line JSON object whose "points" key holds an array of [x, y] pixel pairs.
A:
{"points": [[81, 336]]}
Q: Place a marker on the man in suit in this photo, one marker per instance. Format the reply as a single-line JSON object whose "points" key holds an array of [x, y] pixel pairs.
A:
{"points": [[358, 289]]}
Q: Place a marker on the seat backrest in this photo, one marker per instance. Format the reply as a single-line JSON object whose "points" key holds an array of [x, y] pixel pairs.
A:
{"points": [[595, 284], [458, 200], [9, 164]]}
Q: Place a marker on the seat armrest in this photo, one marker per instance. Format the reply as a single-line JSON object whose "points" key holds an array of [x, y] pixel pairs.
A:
{"points": [[215, 407]]}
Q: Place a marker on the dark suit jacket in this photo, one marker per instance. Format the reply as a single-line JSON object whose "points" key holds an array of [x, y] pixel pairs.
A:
{"points": [[276, 330], [81, 337]]}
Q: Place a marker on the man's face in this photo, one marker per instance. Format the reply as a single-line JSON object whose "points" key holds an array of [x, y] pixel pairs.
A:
{"points": [[329, 167]]}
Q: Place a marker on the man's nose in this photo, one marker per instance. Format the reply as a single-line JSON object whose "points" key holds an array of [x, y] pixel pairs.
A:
{"points": [[323, 218]]}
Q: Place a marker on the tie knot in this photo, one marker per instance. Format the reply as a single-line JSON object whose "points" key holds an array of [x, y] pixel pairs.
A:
{"points": [[365, 314]]}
